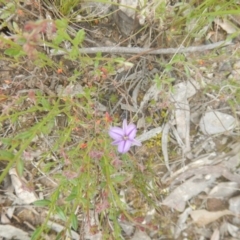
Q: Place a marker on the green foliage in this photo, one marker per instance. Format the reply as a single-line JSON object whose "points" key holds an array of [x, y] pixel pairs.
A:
{"points": [[36, 234], [66, 7], [163, 81], [8, 10], [12, 49], [74, 221], [6, 155], [42, 203], [14, 52], [20, 167]]}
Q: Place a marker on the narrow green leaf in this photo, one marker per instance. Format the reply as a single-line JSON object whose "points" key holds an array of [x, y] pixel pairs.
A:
{"points": [[55, 195], [45, 104], [13, 52], [74, 221], [62, 33], [42, 203], [58, 39], [74, 53], [36, 234], [118, 179], [24, 135], [20, 166], [8, 10], [72, 195], [60, 213], [79, 38], [61, 23], [48, 128], [6, 155]]}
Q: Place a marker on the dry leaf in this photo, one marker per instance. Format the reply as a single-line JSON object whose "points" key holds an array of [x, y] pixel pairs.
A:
{"points": [[182, 91], [11, 232], [150, 134], [135, 94], [215, 235], [140, 235], [203, 217], [165, 145], [128, 107], [92, 227], [127, 227], [183, 173], [233, 230], [226, 25], [69, 91], [214, 122], [177, 199], [129, 7], [224, 190], [22, 191], [152, 93], [59, 228], [182, 116], [4, 218], [141, 122], [181, 223], [234, 204]]}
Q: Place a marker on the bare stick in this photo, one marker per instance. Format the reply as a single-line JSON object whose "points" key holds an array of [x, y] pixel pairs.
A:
{"points": [[129, 50]]}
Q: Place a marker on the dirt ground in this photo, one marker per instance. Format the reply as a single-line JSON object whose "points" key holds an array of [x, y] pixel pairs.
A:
{"points": [[195, 176]]}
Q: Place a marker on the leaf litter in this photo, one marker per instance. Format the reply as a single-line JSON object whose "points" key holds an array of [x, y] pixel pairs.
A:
{"points": [[189, 177]]}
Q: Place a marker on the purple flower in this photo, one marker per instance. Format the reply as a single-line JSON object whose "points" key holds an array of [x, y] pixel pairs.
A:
{"points": [[124, 137]]}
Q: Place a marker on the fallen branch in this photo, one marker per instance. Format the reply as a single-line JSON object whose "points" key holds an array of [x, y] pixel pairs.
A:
{"points": [[129, 50]]}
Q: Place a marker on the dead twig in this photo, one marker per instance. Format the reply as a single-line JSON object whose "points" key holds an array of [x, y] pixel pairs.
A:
{"points": [[141, 51]]}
